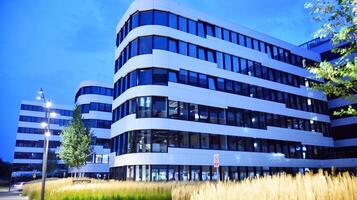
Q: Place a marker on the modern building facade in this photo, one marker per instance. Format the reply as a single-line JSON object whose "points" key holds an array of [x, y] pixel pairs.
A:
{"points": [[188, 86], [95, 100], [343, 128], [27, 163]]}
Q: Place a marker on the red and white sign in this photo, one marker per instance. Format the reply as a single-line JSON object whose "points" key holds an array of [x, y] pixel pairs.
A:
{"points": [[216, 160]]}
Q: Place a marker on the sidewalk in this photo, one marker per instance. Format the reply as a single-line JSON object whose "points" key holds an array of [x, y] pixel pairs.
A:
{"points": [[14, 195]]}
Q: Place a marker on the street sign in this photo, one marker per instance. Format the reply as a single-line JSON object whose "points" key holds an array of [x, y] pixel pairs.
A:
{"points": [[216, 160]]}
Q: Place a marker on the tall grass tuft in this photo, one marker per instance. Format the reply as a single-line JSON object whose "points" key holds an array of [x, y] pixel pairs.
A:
{"points": [[318, 186]]}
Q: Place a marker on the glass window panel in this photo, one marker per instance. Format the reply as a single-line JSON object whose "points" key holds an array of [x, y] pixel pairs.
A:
{"points": [[241, 40], [209, 29], [243, 66], [173, 46], [195, 140], [235, 62], [255, 44], [193, 79], [193, 114], [173, 109], [159, 107], [183, 110], [234, 37], [173, 76], [211, 83], [249, 42], [215, 141], [203, 113], [219, 57], [145, 45], [183, 76], [161, 18], [146, 18], [182, 24], [192, 50], [226, 35], [159, 141], [159, 76], [227, 62], [201, 29], [183, 48], [144, 107], [133, 79], [192, 27], [229, 86], [160, 42], [204, 141], [202, 80], [220, 84], [218, 32], [135, 20], [202, 53], [210, 56], [145, 77], [173, 21], [251, 68], [134, 48], [223, 142]]}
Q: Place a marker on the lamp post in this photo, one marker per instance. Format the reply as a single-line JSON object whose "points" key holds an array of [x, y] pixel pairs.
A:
{"points": [[47, 134]]}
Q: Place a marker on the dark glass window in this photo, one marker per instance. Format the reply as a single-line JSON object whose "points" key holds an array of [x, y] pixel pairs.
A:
{"points": [[145, 45], [160, 42], [226, 35], [237, 87], [220, 84], [159, 107], [159, 77], [144, 107], [159, 142], [145, 77], [173, 21], [183, 48], [146, 18], [183, 76], [182, 24], [258, 70], [201, 29], [243, 66], [135, 20], [205, 141], [183, 110], [133, 79], [173, 109], [210, 56], [219, 57], [203, 113], [202, 80], [192, 27], [209, 29], [161, 18], [218, 32], [235, 62], [192, 50], [193, 113], [195, 140], [134, 48], [231, 118], [227, 62], [214, 140], [201, 53], [193, 79], [250, 68], [255, 44], [229, 86], [173, 46]]}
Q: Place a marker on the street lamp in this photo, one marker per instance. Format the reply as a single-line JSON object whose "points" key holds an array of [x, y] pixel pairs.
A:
{"points": [[47, 134]]}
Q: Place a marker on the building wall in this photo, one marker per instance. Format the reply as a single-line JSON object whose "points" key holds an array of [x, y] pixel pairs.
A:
{"points": [[136, 90]]}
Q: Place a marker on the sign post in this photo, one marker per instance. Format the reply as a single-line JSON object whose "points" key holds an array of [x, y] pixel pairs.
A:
{"points": [[216, 164]]}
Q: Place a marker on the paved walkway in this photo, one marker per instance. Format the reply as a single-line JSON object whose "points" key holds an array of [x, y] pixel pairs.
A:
{"points": [[6, 195]]}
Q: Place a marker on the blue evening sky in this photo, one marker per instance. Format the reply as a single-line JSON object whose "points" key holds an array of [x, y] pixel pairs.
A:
{"points": [[57, 44]]}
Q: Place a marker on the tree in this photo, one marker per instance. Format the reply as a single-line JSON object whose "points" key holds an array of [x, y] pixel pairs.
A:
{"points": [[76, 139], [339, 22]]}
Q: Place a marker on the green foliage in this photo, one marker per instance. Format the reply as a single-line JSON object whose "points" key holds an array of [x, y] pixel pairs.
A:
{"points": [[76, 139], [339, 21]]}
